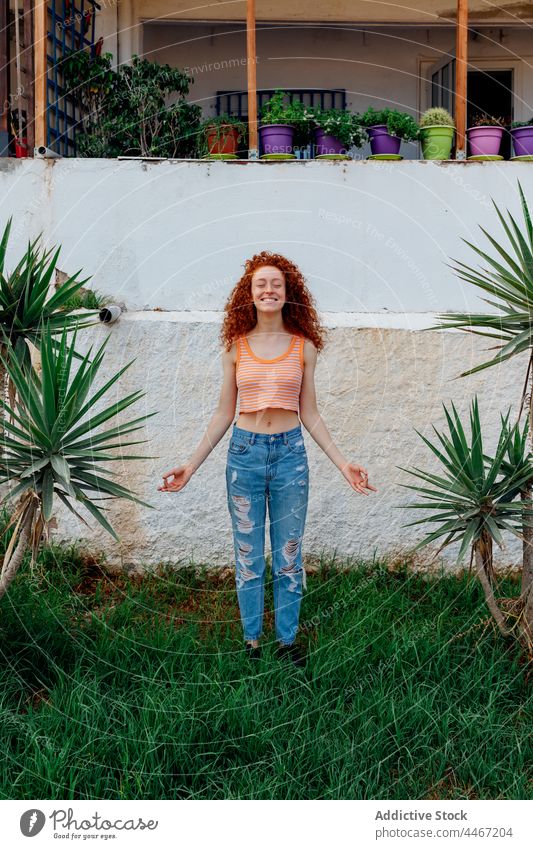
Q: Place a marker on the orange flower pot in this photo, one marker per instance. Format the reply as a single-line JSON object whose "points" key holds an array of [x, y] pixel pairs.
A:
{"points": [[224, 141]]}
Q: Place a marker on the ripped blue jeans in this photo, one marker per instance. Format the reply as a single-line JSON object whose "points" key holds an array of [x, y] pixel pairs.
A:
{"points": [[268, 468]]}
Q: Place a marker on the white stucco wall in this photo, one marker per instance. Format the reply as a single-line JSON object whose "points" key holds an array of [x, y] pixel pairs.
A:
{"points": [[374, 387], [369, 236], [372, 239]]}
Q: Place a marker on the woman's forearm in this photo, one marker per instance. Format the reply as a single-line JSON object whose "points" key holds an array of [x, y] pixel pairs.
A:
{"points": [[214, 432], [315, 424]]}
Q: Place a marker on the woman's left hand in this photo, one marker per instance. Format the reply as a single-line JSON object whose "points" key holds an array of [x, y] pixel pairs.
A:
{"points": [[357, 477]]}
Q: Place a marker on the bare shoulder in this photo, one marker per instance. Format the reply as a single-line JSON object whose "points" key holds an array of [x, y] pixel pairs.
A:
{"points": [[310, 352], [230, 357]]}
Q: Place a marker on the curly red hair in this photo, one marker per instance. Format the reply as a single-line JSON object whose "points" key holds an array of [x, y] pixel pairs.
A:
{"points": [[299, 313]]}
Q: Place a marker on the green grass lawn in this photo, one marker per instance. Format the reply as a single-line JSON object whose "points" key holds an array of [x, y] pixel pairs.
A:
{"points": [[133, 687]]}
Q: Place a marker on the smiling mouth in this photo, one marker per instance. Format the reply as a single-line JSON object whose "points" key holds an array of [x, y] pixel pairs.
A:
{"points": [[269, 299]]}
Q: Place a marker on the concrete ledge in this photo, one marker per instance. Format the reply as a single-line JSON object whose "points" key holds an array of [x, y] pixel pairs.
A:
{"points": [[388, 320]]}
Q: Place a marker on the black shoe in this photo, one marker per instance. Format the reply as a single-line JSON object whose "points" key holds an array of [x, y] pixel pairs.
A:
{"points": [[292, 652], [253, 652]]}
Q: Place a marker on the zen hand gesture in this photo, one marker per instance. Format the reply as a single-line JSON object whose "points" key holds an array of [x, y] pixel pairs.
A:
{"points": [[357, 477], [180, 476]]}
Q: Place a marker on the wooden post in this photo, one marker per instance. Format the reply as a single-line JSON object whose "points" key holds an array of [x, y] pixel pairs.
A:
{"points": [[251, 64], [28, 67], [461, 66], [4, 79], [40, 42]]}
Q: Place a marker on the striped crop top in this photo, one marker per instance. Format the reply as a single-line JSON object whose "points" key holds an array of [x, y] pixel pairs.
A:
{"points": [[269, 383]]}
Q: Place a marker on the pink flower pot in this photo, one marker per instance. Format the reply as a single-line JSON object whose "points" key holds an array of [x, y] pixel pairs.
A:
{"points": [[484, 141]]}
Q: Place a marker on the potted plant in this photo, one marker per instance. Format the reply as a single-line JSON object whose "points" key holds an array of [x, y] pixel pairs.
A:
{"points": [[336, 131], [280, 121], [485, 135], [436, 133], [220, 135], [386, 129], [522, 135]]}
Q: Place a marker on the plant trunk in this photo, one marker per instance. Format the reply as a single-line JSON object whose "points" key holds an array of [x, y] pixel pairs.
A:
{"points": [[3, 390], [526, 591], [483, 553], [9, 568]]}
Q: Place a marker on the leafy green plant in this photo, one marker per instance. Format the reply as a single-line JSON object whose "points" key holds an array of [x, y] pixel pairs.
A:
{"points": [[87, 299], [92, 85], [219, 124], [515, 124], [475, 501], [343, 125], [52, 445], [508, 279], [125, 112], [276, 111], [436, 116], [399, 124], [295, 113]]}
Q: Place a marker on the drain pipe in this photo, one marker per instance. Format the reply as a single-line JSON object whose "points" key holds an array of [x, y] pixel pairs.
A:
{"points": [[110, 313], [46, 153]]}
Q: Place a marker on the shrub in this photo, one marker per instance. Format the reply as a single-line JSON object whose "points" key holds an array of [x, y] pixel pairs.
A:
{"points": [[125, 112], [399, 124], [344, 125]]}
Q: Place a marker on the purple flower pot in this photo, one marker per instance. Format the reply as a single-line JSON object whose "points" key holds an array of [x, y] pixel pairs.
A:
{"points": [[327, 144], [522, 140], [276, 138], [381, 141], [484, 141]]}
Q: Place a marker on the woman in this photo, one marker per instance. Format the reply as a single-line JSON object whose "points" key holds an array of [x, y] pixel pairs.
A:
{"points": [[271, 336]]}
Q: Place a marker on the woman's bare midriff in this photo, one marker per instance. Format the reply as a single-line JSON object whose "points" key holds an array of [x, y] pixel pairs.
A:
{"points": [[269, 420]]}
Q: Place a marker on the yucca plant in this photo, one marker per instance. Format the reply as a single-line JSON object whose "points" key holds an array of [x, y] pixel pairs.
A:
{"points": [[53, 445], [511, 281], [475, 500], [508, 278], [26, 303], [519, 459]]}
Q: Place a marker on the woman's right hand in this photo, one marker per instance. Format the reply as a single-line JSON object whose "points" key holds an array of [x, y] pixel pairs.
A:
{"points": [[180, 476]]}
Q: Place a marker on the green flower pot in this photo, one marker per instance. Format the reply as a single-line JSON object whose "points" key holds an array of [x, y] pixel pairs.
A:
{"points": [[437, 141]]}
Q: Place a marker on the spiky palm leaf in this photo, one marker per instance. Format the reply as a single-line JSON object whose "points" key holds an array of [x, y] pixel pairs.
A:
{"points": [[53, 445], [475, 496], [518, 455], [508, 278], [25, 305]]}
